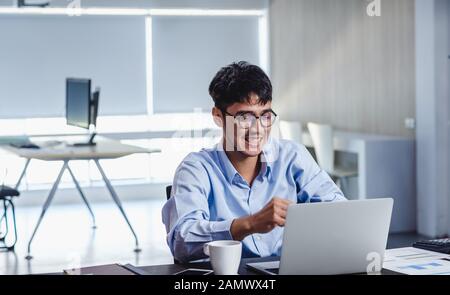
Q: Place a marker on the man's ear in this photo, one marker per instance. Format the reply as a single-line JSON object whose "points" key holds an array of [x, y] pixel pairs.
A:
{"points": [[217, 116]]}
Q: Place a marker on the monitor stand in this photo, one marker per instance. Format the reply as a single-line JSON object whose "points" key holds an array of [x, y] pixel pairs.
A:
{"points": [[89, 143]]}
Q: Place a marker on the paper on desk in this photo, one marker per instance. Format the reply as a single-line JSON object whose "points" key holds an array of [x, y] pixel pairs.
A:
{"points": [[413, 261]]}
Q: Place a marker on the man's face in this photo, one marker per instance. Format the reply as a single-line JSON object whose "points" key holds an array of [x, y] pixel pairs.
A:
{"points": [[244, 134]]}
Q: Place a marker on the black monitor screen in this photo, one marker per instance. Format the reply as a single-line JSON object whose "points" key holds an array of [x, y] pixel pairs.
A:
{"points": [[78, 96]]}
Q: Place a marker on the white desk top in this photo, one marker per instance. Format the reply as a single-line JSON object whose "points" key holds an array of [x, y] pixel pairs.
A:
{"points": [[104, 149]]}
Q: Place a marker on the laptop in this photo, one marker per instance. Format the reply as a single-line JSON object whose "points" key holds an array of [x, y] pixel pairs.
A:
{"points": [[332, 238]]}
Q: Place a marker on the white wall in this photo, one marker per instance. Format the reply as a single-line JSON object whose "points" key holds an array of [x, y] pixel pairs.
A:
{"points": [[188, 51], [332, 63], [38, 52], [432, 111]]}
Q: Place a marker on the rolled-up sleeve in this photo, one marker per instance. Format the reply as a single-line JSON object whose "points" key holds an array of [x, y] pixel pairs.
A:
{"points": [[186, 214], [314, 184]]}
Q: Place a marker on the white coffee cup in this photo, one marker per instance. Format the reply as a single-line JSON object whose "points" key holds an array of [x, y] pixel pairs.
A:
{"points": [[225, 256]]}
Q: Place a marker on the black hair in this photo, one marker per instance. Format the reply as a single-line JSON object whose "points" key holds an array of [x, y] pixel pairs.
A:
{"points": [[235, 82]]}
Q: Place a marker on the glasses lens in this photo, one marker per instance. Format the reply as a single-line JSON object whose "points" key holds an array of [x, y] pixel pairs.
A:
{"points": [[245, 120], [267, 119]]}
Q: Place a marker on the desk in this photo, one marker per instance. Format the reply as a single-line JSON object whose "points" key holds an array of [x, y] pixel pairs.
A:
{"points": [[104, 149], [394, 241], [386, 168], [170, 269]]}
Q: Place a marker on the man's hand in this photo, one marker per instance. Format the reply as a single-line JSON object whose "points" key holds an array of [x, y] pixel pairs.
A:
{"points": [[273, 214]]}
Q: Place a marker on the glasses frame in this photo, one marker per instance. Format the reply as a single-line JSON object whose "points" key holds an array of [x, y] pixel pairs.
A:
{"points": [[256, 118]]}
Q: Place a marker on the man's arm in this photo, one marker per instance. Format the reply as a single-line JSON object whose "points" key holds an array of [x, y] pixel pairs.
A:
{"points": [[186, 214], [273, 214]]}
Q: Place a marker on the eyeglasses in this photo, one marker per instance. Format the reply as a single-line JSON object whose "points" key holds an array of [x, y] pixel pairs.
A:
{"points": [[246, 120]]}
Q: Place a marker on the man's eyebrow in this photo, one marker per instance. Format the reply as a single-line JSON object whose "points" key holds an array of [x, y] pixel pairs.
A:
{"points": [[251, 112]]}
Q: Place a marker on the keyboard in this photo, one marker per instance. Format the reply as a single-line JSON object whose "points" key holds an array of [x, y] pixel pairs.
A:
{"points": [[436, 245], [32, 145], [25, 146]]}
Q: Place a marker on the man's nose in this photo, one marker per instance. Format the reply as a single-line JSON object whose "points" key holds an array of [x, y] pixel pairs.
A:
{"points": [[255, 127]]}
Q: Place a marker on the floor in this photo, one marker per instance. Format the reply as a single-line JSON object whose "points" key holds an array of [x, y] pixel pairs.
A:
{"points": [[66, 238]]}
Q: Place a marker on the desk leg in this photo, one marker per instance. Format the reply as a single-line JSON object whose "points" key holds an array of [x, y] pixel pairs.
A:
{"points": [[117, 201], [45, 207], [82, 196], [22, 174]]}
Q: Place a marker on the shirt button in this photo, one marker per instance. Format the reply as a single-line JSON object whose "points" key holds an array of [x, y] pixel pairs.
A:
{"points": [[258, 237]]}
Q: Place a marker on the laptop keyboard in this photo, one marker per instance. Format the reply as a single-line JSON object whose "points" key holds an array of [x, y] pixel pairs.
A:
{"points": [[273, 270], [437, 245]]}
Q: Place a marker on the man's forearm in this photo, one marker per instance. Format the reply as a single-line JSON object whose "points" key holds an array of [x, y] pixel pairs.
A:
{"points": [[241, 227]]}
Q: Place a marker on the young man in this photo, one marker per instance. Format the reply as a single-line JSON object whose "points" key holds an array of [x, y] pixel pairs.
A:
{"points": [[241, 188]]}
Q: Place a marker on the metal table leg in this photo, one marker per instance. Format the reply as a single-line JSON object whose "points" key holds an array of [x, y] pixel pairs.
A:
{"points": [[22, 174], [82, 196], [117, 201], [46, 205]]}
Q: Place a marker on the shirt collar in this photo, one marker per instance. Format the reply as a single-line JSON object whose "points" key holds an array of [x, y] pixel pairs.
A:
{"points": [[231, 173], [227, 168]]}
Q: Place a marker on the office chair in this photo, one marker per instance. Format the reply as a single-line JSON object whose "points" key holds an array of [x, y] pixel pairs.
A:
{"points": [[322, 138], [6, 195], [168, 193]]}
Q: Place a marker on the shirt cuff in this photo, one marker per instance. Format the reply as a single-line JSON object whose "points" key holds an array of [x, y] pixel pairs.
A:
{"points": [[220, 230]]}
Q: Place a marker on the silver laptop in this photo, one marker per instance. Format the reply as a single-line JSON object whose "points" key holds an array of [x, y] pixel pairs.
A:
{"points": [[332, 238]]}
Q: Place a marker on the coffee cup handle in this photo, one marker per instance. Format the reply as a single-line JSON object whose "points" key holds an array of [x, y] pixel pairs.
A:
{"points": [[206, 249]]}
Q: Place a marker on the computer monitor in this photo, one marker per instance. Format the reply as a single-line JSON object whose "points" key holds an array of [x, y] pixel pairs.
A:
{"points": [[81, 106], [94, 106], [78, 102]]}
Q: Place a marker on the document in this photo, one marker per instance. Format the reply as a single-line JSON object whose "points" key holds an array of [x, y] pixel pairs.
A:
{"points": [[413, 261]]}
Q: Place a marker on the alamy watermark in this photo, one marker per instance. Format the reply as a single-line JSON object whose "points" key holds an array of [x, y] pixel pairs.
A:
{"points": [[375, 263], [74, 8], [374, 8]]}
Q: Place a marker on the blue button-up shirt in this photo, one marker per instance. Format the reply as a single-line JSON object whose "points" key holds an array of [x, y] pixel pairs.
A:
{"points": [[208, 194]]}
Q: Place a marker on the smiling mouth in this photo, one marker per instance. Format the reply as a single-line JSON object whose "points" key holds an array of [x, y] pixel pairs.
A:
{"points": [[253, 140]]}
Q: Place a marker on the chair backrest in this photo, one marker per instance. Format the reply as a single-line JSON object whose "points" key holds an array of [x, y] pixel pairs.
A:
{"points": [[322, 138], [168, 191], [291, 130]]}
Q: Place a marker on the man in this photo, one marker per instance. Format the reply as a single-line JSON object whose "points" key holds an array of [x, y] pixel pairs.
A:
{"points": [[241, 188]]}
